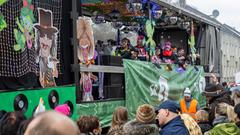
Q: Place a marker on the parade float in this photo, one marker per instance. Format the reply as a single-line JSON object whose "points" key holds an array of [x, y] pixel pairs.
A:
{"points": [[66, 53]]}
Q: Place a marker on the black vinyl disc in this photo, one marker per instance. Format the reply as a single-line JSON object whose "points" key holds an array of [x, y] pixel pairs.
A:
{"points": [[20, 103], [53, 99]]}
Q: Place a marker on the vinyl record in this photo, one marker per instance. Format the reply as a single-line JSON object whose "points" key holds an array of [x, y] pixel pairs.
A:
{"points": [[20, 103], [70, 104], [53, 99]]}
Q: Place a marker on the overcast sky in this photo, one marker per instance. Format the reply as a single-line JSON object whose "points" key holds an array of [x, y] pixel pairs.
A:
{"points": [[229, 10]]}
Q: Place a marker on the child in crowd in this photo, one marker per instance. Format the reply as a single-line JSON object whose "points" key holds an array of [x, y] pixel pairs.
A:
{"points": [[89, 125], [119, 118], [202, 118]]}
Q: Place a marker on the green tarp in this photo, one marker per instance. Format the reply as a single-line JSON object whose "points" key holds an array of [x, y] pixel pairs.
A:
{"points": [[103, 110], [147, 83]]}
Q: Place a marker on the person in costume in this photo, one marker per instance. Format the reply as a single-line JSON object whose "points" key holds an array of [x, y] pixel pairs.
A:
{"points": [[86, 50], [46, 48], [167, 54], [125, 50], [156, 58], [142, 53], [180, 59]]}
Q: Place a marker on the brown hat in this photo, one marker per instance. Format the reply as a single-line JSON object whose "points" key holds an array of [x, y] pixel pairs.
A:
{"points": [[45, 19], [145, 114], [213, 90]]}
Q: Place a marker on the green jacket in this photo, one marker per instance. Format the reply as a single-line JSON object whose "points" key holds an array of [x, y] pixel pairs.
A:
{"points": [[225, 129]]}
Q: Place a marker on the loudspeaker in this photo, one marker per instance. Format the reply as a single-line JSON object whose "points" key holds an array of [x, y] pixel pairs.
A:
{"points": [[28, 100], [111, 60], [114, 91], [113, 79]]}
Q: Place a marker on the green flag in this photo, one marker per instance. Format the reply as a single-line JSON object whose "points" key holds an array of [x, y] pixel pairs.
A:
{"points": [[147, 83]]}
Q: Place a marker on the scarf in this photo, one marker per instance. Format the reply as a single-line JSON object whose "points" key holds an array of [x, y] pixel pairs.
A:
{"points": [[167, 53]]}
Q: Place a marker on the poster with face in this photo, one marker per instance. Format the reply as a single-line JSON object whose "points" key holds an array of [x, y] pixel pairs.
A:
{"points": [[46, 48], [86, 41], [86, 50]]}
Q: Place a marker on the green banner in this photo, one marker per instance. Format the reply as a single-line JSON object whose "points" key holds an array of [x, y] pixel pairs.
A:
{"points": [[148, 83], [102, 109]]}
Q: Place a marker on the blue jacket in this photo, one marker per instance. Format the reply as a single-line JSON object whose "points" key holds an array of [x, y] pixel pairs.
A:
{"points": [[174, 127]]}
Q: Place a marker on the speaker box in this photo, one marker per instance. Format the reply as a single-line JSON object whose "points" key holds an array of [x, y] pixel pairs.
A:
{"points": [[113, 79], [111, 60], [114, 91], [28, 100]]}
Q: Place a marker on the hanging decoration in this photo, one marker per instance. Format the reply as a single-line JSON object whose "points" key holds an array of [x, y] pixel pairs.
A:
{"points": [[25, 33], [3, 23], [86, 55], [168, 67], [134, 6], [137, 7], [98, 19], [156, 11], [148, 40], [46, 48], [191, 43], [117, 25], [173, 19], [115, 15], [2, 2]]}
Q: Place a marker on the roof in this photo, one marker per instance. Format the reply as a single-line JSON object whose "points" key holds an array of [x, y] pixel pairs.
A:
{"points": [[230, 30], [191, 12], [198, 15]]}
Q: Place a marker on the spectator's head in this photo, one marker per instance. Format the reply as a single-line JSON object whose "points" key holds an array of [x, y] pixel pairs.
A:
{"points": [[10, 122], [236, 96], [213, 90], [167, 111], [145, 114], [224, 109], [187, 94], [213, 79], [89, 124], [125, 42], [134, 54], [237, 111], [202, 116], [167, 46], [52, 123], [180, 51], [120, 116], [140, 40]]}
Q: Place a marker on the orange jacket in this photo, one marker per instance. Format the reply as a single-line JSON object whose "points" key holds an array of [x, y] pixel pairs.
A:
{"points": [[192, 108]]}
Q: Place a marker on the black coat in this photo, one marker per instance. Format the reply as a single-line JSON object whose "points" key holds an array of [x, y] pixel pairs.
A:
{"points": [[205, 126]]}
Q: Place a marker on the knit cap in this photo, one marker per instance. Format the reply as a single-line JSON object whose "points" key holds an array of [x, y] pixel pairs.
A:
{"points": [[145, 114]]}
